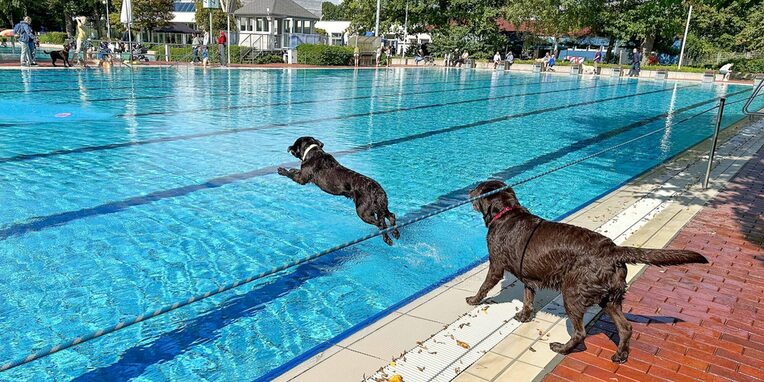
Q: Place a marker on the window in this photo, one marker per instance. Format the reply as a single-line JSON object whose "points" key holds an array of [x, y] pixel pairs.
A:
{"points": [[250, 25], [266, 24], [243, 24], [288, 26]]}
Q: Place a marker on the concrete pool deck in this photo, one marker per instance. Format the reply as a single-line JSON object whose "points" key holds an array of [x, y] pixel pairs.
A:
{"points": [[438, 337]]}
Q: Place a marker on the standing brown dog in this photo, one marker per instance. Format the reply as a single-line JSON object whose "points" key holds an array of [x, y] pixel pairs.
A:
{"points": [[587, 267]]}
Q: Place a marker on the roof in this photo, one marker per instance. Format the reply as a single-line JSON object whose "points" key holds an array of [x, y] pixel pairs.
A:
{"points": [[286, 8]]}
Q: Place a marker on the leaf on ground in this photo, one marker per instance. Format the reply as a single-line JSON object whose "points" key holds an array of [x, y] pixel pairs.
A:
{"points": [[532, 349], [463, 344]]}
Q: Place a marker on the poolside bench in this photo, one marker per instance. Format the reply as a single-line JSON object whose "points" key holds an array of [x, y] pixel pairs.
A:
{"points": [[709, 76], [575, 69], [661, 74]]}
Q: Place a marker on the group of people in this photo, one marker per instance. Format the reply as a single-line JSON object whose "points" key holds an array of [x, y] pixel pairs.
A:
{"points": [[200, 48], [455, 59], [510, 59]]}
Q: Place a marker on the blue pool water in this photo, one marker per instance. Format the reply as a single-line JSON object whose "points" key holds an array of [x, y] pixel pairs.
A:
{"points": [[126, 191]]}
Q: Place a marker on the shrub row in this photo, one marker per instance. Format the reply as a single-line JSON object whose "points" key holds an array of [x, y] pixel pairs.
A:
{"points": [[313, 54], [750, 66], [53, 38]]}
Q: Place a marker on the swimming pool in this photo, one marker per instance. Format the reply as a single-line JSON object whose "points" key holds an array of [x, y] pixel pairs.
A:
{"points": [[125, 191]]}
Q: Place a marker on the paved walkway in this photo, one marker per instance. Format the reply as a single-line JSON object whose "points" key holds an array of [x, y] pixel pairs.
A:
{"points": [[694, 322]]}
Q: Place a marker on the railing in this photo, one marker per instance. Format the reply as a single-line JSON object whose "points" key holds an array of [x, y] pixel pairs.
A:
{"points": [[756, 91]]}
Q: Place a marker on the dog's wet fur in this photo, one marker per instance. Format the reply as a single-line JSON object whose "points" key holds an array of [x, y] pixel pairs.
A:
{"points": [[62, 55], [321, 169], [585, 266]]}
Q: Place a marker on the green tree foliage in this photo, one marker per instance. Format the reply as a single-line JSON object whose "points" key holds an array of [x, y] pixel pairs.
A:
{"points": [[152, 14], [333, 12], [219, 22], [752, 35]]}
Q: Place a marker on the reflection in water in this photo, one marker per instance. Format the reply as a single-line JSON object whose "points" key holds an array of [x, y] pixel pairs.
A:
{"points": [[666, 139]]}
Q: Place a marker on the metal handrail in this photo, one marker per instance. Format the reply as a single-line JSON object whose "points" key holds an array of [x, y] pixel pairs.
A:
{"points": [[751, 98]]}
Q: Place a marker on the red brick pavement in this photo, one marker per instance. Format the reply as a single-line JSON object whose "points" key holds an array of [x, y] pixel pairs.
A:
{"points": [[696, 322]]}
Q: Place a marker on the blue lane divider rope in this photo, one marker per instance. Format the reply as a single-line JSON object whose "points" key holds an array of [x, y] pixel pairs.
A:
{"points": [[167, 308]]}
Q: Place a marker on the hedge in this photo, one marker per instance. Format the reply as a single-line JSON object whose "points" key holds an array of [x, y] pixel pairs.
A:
{"points": [[313, 54], [751, 66], [53, 38]]}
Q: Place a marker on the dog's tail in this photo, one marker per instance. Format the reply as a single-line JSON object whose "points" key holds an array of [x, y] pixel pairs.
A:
{"points": [[659, 257]]}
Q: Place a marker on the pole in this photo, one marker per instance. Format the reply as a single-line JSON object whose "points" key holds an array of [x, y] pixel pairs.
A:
{"points": [[228, 39], [108, 24], [684, 40], [209, 35], [713, 143], [376, 27], [405, 31]]}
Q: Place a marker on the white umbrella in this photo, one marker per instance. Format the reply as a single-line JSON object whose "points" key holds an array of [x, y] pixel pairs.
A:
{"points": [[126, 16]]}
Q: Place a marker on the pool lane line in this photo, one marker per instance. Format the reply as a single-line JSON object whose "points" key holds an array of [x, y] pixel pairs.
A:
{"points": [[40, 223], [51, 349], [303, 90], [110, 146], [303, 102], [132, 81], [221, 79]]}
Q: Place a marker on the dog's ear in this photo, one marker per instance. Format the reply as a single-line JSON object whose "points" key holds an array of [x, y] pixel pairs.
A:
{"points": [[320, 144]]}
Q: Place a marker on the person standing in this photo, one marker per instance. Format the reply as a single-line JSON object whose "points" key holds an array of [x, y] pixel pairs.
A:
{"points": [[81, 36], [496, 60], [597, 58], [636, 62], [24, 32], [221, 48], [196, 45]]}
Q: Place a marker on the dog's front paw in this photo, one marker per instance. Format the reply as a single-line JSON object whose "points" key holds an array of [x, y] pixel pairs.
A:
{"points": [[524, 315], [474, 300], [620, 357], [282, 171], [558, 348], [387, 240]]}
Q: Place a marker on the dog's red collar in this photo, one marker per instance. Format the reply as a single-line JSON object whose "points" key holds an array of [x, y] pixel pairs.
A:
{"points": [[501, 213]]}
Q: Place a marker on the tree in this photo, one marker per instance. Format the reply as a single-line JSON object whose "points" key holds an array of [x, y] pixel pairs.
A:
{"points": [[648, 20], [334, 12], [150, 15], [219, 22], [751, 37]]}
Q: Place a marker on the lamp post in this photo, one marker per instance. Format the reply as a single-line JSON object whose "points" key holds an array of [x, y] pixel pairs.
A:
{"points": [[684, 40], [108, 24], [376, 27], [405, 31]]}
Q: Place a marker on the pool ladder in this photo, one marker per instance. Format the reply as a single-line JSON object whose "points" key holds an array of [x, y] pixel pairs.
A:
{"points": [[755, 94]]}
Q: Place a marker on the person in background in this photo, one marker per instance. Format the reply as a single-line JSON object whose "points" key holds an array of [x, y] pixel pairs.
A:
{"points": [[196, 44], [496, 60], [636, 61], [33, 45], [24, 32], [81, 36], [550, 63], [378, 54], [205, 56], [545, 61], [725, 71], [356, 55], [221, 48], [597, 58]]}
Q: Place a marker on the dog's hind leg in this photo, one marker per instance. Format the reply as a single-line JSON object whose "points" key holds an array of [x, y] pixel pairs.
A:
{"points": [[391, 219], [615, 311], [525, 314], [575, 308], [495, 274], [366, 213]]}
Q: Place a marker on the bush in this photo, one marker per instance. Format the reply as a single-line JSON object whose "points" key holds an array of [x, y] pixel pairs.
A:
{"points": [[53, 38], [269, 59], [313, 54], [751, 66]]}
